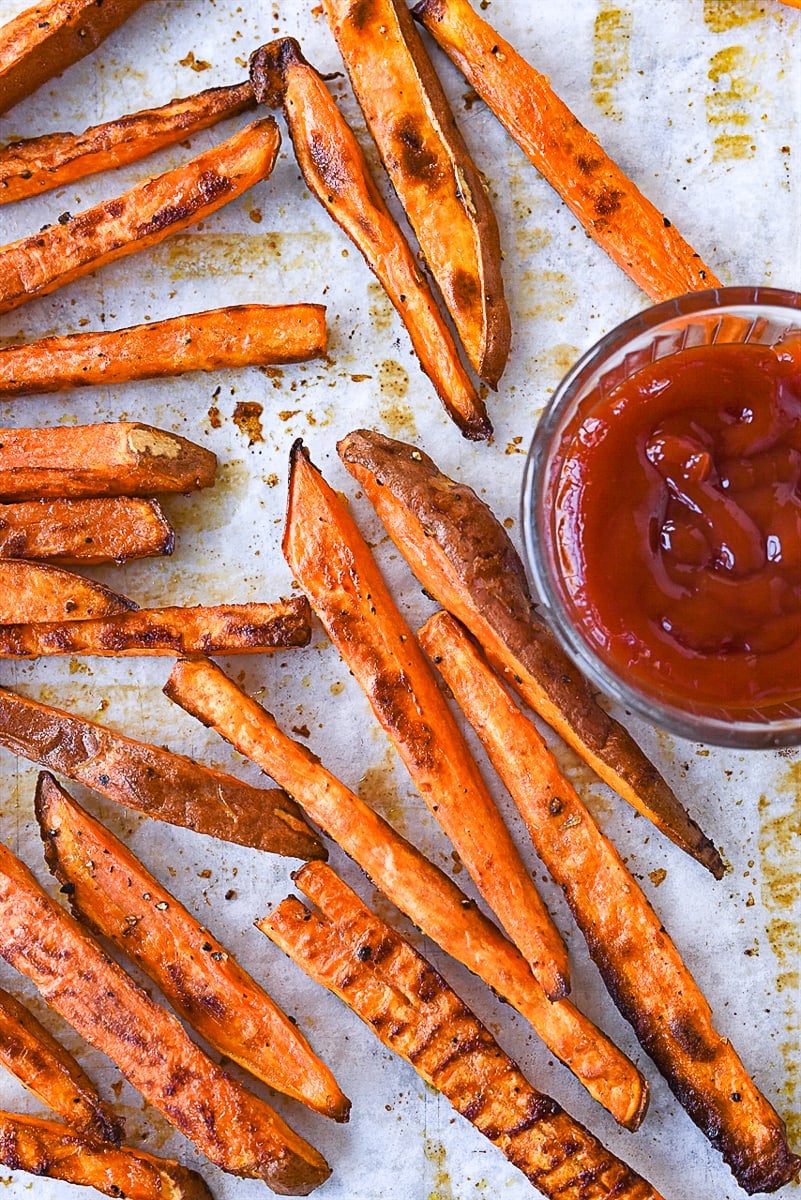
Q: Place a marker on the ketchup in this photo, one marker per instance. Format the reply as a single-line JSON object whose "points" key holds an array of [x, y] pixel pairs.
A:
{"points": [[678, 526]]}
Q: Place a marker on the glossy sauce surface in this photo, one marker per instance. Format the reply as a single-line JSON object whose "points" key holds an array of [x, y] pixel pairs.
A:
{"points": [[678, 526]]}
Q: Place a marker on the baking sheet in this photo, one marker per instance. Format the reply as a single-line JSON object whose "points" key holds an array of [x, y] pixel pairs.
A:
{"points": [[699, 101]]}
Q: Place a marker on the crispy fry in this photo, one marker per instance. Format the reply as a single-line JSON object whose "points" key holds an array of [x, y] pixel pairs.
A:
{"points": [[154, 781], [32, 591], [431, 170], [336, 172], [39, 164], [101, 530], [635, 235], [114, 458], [464, 558], [640, 965], [414, 1012], [418, 888], [145, 215], [50, 1072], [204, 629], [333, 564], [45, 39], [241, 336], [112, 892], [235, 1129]]}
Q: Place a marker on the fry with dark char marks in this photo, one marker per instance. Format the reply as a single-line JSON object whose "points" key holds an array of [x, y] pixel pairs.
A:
{"points": [[204, 629], [104, 529], [332, 563], [335, 170], [39, 164], [35, 591], [154, 781], [463, 557], [612, 209], [38, 264], [235, 1129], [416, 886], [50, 1072], [414, 1012], [641, 966], [112, 892]]}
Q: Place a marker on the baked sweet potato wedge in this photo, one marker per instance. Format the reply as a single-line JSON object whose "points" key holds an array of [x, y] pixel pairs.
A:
{"points": [[112, 892], [45, 39], [414, 1012], [39, 164], [154, 781], [143, 216], [612, 209], [335, 170], [204, 629], [642, 968], [331, 561], [111, 529], [464, 558], [35, 591], [235, 1129], [113, 458], [431, 170], [50, 1072], [428, 896], [240, 336], [52, 1151]]}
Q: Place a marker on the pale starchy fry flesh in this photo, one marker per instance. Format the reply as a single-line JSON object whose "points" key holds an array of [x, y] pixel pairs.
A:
{"points": [[35, 591], [414, 1012], [239, 336], [110, 529], [112, 891], [143, 216], [235, 1129], [416, 886], [51, 1073], [52, 1151], [45, 39], [335, 170], [39, 164], [639, 962], [332, 562], [111, 458], [431, 170], [203, 629], [612, 209], [464, 558], [154, 781]]}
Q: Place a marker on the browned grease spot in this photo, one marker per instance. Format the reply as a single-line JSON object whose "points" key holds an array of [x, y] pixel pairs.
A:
{"points": [[215, 418], [657, 876], [380, 307], [721, 15], [611, 37], [247, 418], [729, 106], [379, 789], [197, 64]]}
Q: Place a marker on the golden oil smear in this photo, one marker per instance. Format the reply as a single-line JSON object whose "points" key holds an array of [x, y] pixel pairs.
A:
{"points": [[398, 416], [197, 255], [729, 106], [720, 15], [378, 788], [545, 294], [611, 37], [381, 310], [436, 1154]]}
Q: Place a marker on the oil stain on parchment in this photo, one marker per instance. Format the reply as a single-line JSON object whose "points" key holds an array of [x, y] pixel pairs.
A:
{"points": [[198, 255], [720, 15], [611, 37], [730, 104], [436, 1154], [398, 416], [380, 307], [378, 788]]}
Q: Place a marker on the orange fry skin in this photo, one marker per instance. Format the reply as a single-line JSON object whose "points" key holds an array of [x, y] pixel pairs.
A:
{"points": [[35, 591], [110, 529]]}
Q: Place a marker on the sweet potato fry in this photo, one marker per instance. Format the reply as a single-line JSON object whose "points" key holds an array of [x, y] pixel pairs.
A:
{"points": [[416, 886], [464, 558], [114, 458], [51, 1151], [145, 215], [640, 965], [102, 530], [335, 170], [39, 164], [204, 629], [50, 1072], [32, 591], [635, 235], [332, 562], [154, 781], [45, 39], [241, 336], [414, 1012], [111, 891], [234, 1129]]}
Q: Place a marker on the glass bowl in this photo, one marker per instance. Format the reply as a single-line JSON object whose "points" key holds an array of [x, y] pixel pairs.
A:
{"points": [[635, 360]]}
